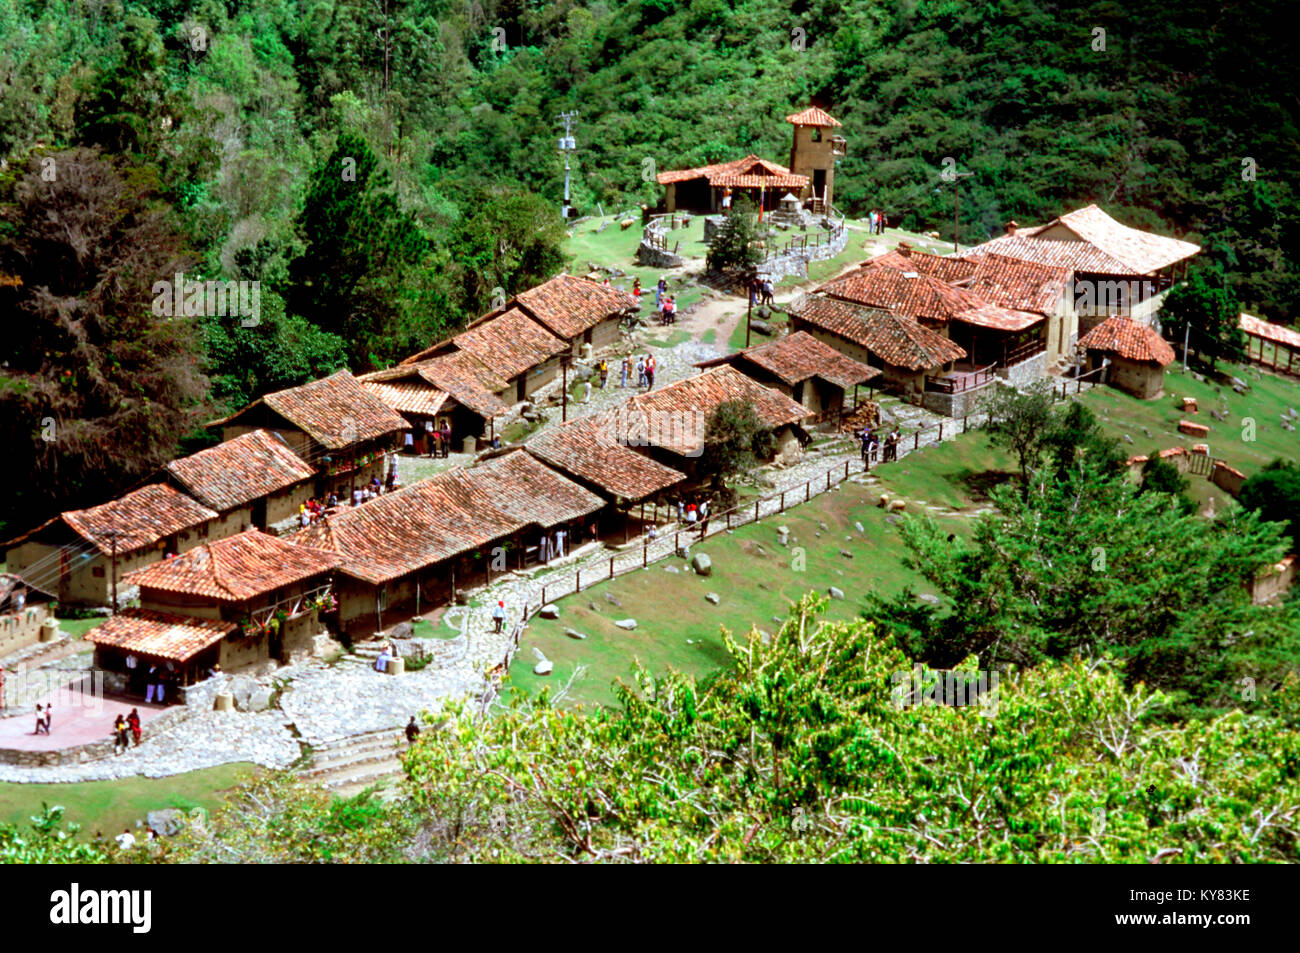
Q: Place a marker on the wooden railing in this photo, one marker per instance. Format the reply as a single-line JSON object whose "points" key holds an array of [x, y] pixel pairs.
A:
{"points": [[960, 383], [1022, 352]]}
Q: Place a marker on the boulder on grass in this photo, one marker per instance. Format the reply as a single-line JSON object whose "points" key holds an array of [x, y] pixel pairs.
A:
{"points": [[626, 623], [549, 611], [836, 592], [702, 564]]}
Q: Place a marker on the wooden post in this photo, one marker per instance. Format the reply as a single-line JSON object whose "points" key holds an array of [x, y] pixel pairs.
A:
{"points": [[611, 567], [645, 553], [783, 501], [941, 431], [543, 595], [756, 511], [916, 440], [807, 491], [577, 580], [453, 585], [965, 423]]}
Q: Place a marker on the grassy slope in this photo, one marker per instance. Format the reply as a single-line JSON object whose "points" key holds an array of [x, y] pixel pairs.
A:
{"points": [[109, 806], [671, 609]]}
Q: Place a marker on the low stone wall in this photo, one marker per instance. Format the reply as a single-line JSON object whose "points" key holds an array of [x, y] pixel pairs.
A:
{"points": [[648, 253], [954, 405], [1026, 372], [795, 262], [91, 750], [1227, 478], [1275, 581]]}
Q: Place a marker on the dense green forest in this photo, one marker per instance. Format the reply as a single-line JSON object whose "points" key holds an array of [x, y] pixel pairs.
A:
{"points": [[383, 167]]}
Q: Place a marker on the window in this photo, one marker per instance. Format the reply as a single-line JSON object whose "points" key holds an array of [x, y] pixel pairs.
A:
{"points": [[817, 134], [97, 572]]}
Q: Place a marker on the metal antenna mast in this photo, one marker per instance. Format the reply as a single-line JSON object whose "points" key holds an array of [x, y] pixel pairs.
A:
{"points": [[567, 146]]}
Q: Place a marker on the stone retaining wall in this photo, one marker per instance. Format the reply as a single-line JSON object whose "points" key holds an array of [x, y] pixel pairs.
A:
{"points": [[650, 255], [795, 262], [954, 405], [1026, 372]]}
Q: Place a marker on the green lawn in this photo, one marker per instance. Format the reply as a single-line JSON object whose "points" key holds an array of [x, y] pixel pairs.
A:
{"points": [[76, 628], [957, 474], [1230, 439], [679, 629], [110, 806]]}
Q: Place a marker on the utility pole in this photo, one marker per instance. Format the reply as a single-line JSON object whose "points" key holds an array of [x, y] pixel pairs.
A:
{"points": [[564, 388], [567, 145], [1187, 334], [112, 539]]}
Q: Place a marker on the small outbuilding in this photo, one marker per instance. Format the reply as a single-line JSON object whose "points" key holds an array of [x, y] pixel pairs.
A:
{"points": [[1136, 353]]}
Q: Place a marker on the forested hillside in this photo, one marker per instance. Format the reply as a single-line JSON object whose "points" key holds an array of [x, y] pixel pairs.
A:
{"points": [[217, 138]]}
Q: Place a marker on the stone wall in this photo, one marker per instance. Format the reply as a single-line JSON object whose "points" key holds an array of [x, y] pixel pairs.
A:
{"points": [[652, 256], [954, 405], [1275, 581], [795, 262], [1026, 372]]}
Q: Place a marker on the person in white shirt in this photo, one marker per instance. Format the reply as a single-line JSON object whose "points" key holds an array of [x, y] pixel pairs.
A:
{"points": [[559, 543], [125, 840]]}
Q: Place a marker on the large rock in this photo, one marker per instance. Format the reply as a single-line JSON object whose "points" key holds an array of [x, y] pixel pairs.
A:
{"points": [[168, 822], [574, 634], [859, 527], [412, 648], [712, 597], [242, 688], [836, 592], [403, 630], [549, 611], [544, 667], [610, 597], [626, 623], [259, 699], [702, 564], [761, 327], [931, 598]]}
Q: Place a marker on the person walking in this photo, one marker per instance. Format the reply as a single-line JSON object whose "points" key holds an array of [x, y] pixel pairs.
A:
{"points": [[498, 616], [640, 372], [650, 373], [604, 372], [769, 293], [133, 722], [560, 537], [49, 717], [704, 517], [150, 684], [623, 368], [120, 729], [412, 731], [40, 720]]}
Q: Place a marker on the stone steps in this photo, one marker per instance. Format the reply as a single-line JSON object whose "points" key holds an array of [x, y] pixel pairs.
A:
{"points": [[348, 765]]}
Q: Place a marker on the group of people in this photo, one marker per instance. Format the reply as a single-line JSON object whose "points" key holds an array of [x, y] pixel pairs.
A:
{"points": [[694, 513], [870, 443], [668, 310], [124, 729], [432, 442], [761, 291], [876, 222], [643, 372], [43, 720], [551, 545]]}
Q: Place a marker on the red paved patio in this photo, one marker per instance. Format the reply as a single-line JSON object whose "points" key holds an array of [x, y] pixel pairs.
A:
{"points": [[79, 718]]}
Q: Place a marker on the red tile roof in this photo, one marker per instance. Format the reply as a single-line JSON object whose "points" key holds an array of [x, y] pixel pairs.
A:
{"points": [[999, 319], [1277, 333], [750, 172], [1018, 284], [1102, 246], [568, 306], [693, 399], [510, 343], [895, 339], [588, 448], [159, 635], [467, 379], [416, 527], [797, 357], [247, 468], [140, 518], [812, 116], [523, 487], [335, 411], [1142, 252], [1078, 257], [1129, 339], [409, 397], [879, 283], [243, 566]]}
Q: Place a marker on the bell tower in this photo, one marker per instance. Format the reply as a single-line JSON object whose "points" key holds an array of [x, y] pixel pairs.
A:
{"points": [[813, 151]]}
